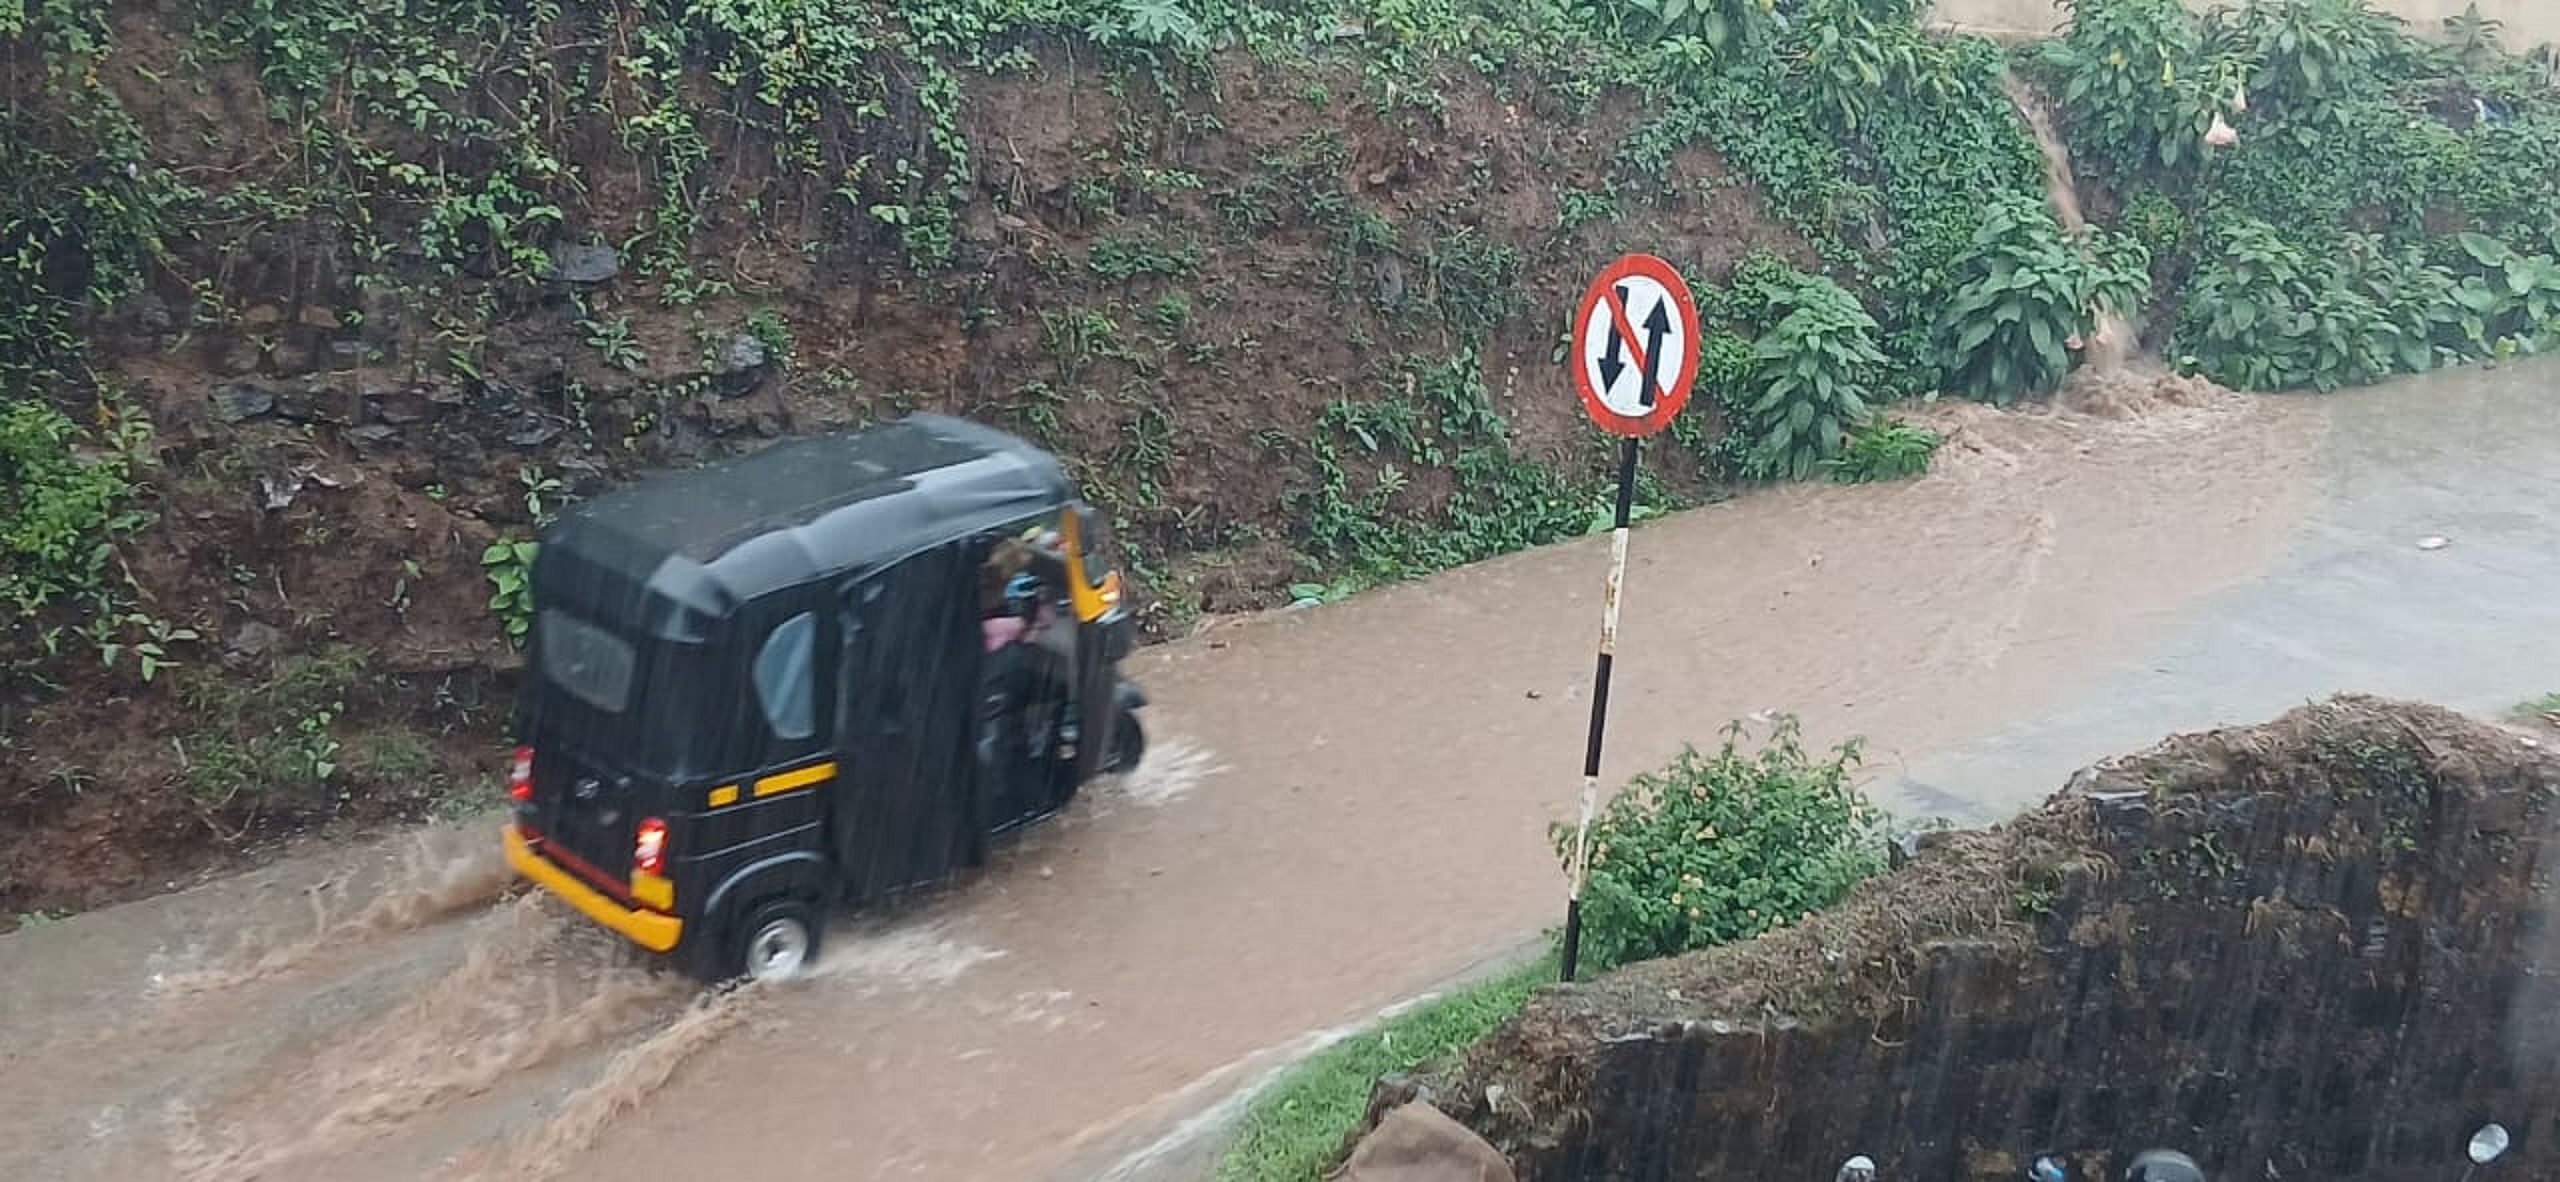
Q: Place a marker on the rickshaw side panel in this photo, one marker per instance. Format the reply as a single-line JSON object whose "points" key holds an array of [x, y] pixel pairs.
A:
{"points": [[912, 811]]}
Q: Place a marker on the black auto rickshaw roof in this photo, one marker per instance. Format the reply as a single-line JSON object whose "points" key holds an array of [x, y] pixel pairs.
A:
{"points": [[702, 541]]}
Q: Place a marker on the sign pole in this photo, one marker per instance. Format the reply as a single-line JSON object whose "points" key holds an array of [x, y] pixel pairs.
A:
{"points": [[1636, 337], [1609, 596]]}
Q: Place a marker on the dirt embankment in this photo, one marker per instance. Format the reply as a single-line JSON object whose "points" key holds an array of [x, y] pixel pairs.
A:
{"points": [[2317, 947], [1171, 284]]}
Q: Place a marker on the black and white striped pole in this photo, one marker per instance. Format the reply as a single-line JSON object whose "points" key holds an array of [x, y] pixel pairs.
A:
{"points": [[1636, 354]]}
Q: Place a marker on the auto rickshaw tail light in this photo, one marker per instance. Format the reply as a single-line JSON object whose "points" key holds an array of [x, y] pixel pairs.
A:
{"points": [[520, 775], [649, 847]]}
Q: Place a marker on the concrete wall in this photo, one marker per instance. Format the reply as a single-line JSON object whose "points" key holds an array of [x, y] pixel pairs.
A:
{"points": [[2528, 22], [2320, 948]]}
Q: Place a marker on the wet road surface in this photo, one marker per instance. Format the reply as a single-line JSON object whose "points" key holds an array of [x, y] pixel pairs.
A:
{"points": [[2428, 567], [1344, 806]]}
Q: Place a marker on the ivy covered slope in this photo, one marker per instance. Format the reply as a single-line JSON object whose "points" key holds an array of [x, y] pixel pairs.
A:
{"points": [[2389, 204], [312, 312]]}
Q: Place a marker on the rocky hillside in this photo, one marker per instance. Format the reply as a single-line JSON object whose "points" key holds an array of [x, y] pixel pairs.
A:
{"points": [[312, 312]]}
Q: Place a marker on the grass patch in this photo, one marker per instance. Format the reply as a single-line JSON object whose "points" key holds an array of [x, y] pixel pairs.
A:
{"points": [[1292, 1131], [2543, 709]]}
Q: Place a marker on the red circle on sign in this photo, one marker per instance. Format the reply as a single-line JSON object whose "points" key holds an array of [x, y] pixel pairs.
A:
{"points": [[1601, 303]]}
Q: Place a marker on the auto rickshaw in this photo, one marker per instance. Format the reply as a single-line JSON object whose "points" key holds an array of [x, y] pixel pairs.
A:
{"points": [[809, 677]]}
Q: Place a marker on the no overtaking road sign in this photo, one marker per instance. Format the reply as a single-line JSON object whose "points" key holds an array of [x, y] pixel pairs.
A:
{"points": [[1636, 346], [1635, 352]]}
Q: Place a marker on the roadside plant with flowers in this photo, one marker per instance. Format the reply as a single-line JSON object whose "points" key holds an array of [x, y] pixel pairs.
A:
{"points": [[1723, 847]]}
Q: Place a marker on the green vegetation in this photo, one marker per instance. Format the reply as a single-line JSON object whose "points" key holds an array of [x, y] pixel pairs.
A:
{"points": [[1884, 448], [68, 499], [509, 568], [1294, 1130], [1812, 368], [1364, 452], [2027, 295], [1723, 847], [267, 742], [2386, 209], [60, 513]]}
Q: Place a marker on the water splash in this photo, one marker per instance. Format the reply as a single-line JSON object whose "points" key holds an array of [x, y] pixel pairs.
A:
{"points": [[443, 872], [530, 989], [635, 1074], [1173, 769], [901, 959]]}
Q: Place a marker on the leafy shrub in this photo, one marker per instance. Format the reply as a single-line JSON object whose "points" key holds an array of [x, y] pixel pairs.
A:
{"points": [[1941, 159], [2025, 294], [1719, 25], [2153, 220], [1725, 367], [2512, 295], [1883, 449], [1812, 373], [1749, 303], [2423, 324], [2138, 99], [1371, 528], [2263, 315], [1845, 56], [81, 208], [1723, 847], [60, 512], [2307, 56], [509, 567], [271, 740]]}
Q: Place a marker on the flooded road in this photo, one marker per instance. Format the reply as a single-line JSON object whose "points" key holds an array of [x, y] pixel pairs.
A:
{"points": [[1344, 805], [2426, 568]]}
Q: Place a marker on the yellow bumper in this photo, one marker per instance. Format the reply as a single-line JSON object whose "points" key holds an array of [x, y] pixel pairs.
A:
{"points": [[648, 929]]}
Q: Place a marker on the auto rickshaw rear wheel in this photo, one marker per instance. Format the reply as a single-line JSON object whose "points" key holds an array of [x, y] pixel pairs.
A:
{"points": [[779, 942]]}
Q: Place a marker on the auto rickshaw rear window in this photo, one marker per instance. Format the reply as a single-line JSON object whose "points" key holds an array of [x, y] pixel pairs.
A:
{"points": [[783, 671], [593, 665]]}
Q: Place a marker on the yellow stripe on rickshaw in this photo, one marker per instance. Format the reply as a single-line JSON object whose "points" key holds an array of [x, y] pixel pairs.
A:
{"points": [[797, 778], [726, 794]]}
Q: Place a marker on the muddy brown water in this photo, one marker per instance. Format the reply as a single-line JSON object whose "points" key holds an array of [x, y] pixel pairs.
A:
{"points": [[1344, 805]]}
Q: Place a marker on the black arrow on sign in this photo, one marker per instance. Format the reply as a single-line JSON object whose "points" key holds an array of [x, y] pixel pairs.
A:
{"points": [[1656, 327], [1611, 365]]}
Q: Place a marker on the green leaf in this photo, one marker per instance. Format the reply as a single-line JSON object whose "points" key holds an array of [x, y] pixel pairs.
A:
{"points": [[2484, 250], [1974, 335]]}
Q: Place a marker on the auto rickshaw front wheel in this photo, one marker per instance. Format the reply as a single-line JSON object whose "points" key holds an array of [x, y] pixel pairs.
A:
{"points": [[1128, 745], [779, 942]]}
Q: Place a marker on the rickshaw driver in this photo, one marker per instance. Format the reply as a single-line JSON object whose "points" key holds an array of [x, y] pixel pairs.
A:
{"points": [[1021, 617]]}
